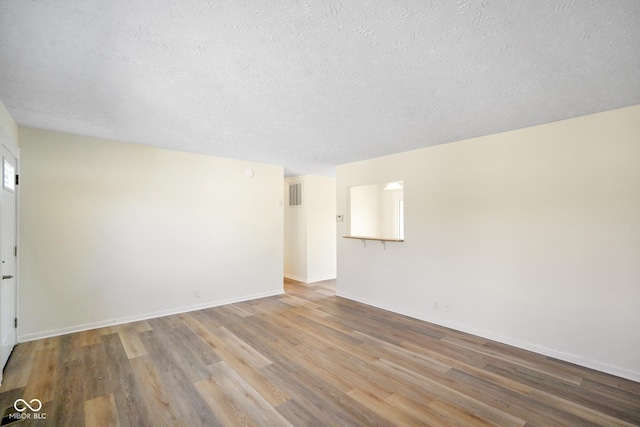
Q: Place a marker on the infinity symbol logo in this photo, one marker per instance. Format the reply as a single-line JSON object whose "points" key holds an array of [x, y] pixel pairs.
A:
{"points": [[35, 408]]}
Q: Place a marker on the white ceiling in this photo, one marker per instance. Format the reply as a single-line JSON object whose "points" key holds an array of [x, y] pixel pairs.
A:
{"points": [[312, 84]]}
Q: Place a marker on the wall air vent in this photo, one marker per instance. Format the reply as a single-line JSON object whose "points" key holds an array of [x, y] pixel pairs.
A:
{"points": [[295, 194]]}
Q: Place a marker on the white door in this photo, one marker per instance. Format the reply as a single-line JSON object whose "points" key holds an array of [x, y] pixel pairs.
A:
{"points": [[8, 255]]}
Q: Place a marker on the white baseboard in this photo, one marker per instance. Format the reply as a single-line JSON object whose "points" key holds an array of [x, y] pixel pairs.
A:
{"points": [[152, 315], [309, 280], [321, 278], [294, 277], [571, 358]]}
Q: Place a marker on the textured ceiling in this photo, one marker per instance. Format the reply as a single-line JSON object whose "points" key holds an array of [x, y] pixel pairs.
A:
{"points": [[313, 84]]}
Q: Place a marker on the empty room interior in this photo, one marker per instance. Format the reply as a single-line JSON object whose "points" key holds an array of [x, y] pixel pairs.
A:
{"points": [[320, 213]]}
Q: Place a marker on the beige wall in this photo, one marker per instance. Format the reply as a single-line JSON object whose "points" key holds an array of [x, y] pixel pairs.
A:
{"points": [[532, 237], [310, 230], [112, 232]]}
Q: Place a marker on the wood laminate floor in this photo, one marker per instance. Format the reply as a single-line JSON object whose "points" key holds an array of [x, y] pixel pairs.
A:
{"points": [[304, 358]]}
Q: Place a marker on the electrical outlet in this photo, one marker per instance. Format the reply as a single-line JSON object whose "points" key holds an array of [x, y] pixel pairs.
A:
{"points": [[339, 218], [196, 293], [446, 308], [436, 305]]}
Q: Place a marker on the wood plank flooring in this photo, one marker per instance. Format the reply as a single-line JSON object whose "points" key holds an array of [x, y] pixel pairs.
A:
{"points": [[304, 358]]}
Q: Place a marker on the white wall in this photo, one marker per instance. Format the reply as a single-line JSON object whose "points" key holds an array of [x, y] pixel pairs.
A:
{"points": [[373, 211], [295, 235], [321, 227], [532, 237], [8, 141], [310, 230], [112, 232], [8, 129], [365, 210]]}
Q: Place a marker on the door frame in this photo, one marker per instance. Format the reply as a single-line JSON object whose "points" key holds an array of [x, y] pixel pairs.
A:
{"points": [[15, 152]]}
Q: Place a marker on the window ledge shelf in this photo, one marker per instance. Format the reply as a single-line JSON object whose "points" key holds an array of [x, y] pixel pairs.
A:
{"points": [[379, 239]]}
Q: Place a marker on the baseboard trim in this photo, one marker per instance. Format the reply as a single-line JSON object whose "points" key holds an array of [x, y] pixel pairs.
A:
{"points": [[567, 357], [309, 280], [152, 315], [294, 277], [321, 278]]}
